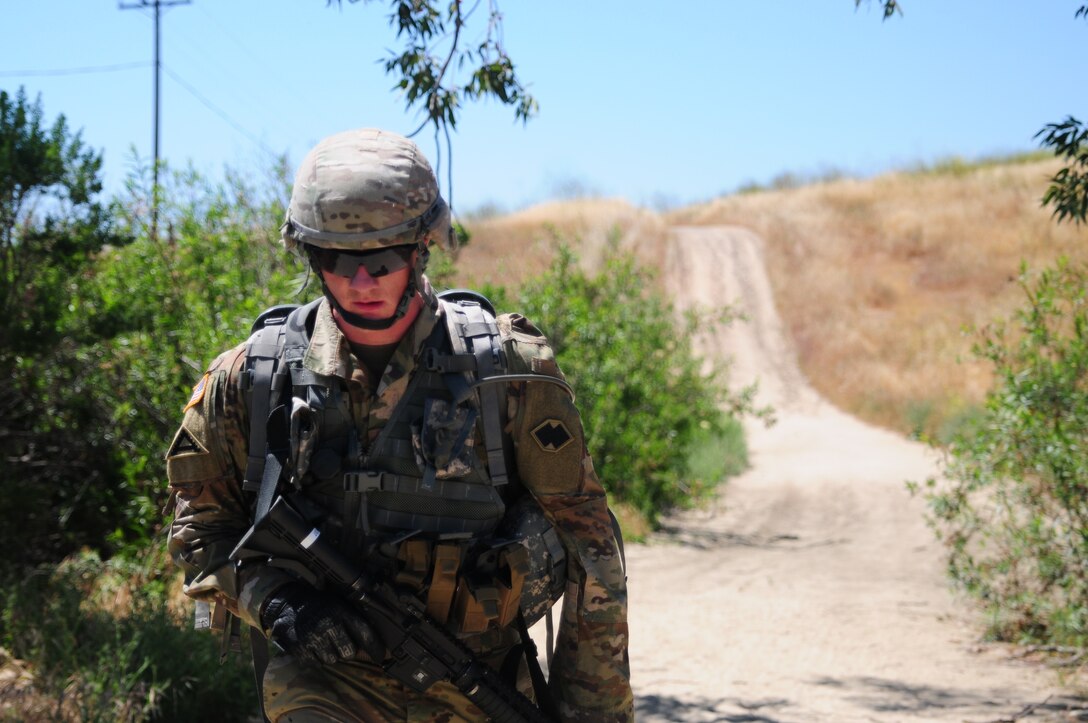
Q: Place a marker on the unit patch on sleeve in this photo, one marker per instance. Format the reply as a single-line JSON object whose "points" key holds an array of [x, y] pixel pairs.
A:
{"points": [[198, 393], [185, 443], [552, 435]]}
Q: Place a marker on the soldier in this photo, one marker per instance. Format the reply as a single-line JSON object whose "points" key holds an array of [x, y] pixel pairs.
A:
{"points": [[388, 424]]}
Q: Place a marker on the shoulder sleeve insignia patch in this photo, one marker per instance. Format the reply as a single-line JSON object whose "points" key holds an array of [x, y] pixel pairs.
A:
{"points": [[198, 393], [552, 435], [185, 443]]}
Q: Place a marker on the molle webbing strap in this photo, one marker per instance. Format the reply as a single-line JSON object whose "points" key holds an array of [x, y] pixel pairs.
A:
{"points": [[370, 481], [302, 377], [474, 332], [409, 502]]}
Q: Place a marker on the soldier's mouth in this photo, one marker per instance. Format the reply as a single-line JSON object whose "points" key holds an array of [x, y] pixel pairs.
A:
{"points": [[365, 306]]}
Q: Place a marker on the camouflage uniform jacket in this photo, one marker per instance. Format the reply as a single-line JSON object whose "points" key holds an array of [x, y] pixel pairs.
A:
{"points": [[207, 459]]}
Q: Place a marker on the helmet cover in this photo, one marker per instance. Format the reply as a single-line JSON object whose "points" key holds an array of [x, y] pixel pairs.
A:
{"points": [[365, 189]]}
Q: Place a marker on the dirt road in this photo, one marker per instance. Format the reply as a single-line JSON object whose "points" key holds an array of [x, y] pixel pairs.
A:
{"points": [[812, 591]]}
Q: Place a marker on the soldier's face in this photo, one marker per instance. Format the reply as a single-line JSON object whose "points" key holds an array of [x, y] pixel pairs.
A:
{"points": [[369, 293]]}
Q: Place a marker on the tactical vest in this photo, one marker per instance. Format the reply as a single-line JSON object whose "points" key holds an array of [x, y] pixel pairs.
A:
{"points": [[427, 501]]}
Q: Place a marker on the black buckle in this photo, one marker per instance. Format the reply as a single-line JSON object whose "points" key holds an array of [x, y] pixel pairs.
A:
{"points": [[363, 481], [431, 360]]}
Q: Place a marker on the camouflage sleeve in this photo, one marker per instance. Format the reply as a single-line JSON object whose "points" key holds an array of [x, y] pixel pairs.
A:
{"points": [[205, 466], [590, 673]]}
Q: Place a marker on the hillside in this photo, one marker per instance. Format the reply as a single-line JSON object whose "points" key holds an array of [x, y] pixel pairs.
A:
{"points": [[875, 280]]}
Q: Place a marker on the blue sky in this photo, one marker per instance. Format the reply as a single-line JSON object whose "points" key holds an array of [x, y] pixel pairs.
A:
{"points": [[656, 102]]}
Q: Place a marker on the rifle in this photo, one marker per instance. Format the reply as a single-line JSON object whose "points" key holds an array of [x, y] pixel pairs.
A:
{"points": [[421, 651]]}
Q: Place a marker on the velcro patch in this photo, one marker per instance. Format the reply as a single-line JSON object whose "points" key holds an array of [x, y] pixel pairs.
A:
{"points": [[552, 435], [185, 443], [198, 393]]}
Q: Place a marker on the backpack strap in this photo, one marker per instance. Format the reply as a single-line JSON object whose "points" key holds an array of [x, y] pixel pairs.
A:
{"points": [[477, 354], [262, 381], [280, 335]]}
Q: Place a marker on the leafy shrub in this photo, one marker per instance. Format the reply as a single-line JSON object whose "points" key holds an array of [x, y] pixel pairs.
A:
{"points": [[56, 463], [646, 402], [1015, 511], [161, 309]]}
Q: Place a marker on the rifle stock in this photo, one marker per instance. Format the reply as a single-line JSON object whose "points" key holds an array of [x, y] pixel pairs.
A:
{"points": [[421, 651]]}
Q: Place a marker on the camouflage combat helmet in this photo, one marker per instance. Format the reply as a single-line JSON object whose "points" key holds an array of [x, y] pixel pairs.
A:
{"points": [[364, 190]]}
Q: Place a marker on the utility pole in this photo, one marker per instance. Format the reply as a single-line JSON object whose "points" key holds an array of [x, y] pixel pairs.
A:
{"points": [[157, 5]]}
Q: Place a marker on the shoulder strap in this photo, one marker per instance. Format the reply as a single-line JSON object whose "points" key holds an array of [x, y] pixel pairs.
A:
{"points": [[458, 295], [474, 337], [279, 330], [262, 381]]}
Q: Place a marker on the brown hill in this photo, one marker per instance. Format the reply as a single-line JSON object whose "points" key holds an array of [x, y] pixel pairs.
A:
{"points": [[875, 280]]}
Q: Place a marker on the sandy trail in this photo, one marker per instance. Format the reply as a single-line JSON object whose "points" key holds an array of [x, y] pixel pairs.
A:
{"points": [[812, 591]]}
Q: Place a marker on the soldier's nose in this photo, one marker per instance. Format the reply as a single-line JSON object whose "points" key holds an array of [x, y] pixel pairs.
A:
{"points": [[362, 278]]}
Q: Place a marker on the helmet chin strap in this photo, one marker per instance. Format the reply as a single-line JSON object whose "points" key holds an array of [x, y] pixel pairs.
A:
{"points": [[415, 282]]}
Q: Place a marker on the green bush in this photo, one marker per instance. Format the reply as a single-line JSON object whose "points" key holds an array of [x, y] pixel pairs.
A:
{"points": [[647, 403], [161, 309], [57, 463], [1015, 510]]}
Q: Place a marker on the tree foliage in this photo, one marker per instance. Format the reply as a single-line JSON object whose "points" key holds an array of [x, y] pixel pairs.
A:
{"points": [[57, 459], [438, 66], [100, 324], [1014, 513], [1068, 191], [890, 7], [105, 330], [50, 223]]}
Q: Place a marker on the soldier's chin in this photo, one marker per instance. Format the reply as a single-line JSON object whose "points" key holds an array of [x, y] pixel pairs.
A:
{"points": [[351, 317]]}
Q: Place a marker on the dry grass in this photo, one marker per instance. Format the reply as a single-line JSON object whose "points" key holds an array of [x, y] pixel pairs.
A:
{"points": [[876, 280], [509, 249]]}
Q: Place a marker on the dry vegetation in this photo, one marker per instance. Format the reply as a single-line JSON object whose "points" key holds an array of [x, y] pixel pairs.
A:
{"points": [[508, 249], [876, 280]]}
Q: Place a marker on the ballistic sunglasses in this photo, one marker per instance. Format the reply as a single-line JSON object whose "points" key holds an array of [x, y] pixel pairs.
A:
{"points": [[377, 262]]}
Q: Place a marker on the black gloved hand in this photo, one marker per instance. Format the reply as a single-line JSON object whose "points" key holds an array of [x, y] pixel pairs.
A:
{"points": [[317, 626]]}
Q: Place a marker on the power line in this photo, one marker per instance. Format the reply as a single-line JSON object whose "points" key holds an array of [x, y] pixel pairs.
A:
{"points": [[225, 30], [241, 89], [74, 71], [218, 111]]}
